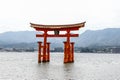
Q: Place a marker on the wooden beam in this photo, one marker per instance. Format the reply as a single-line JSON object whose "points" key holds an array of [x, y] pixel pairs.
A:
{"points": [[60, 35], [60, 29]]}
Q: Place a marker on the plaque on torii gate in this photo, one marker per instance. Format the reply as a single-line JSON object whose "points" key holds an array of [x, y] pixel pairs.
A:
{"points": [[44, 48]]}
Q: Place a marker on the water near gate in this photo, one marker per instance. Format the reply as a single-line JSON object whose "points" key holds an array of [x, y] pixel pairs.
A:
{"points": [[24, 66]]}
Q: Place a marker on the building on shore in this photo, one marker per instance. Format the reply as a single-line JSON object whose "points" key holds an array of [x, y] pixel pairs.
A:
{"points": [[115, 50]]}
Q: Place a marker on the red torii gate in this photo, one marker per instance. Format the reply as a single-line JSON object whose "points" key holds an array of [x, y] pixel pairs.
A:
{"points": [[68, 46]]}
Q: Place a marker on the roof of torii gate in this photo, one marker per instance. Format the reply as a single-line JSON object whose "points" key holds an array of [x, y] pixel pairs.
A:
{"points": [[58, 27]]}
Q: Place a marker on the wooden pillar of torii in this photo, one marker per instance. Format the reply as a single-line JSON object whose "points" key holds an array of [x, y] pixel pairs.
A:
{"points": [[44, 48]]}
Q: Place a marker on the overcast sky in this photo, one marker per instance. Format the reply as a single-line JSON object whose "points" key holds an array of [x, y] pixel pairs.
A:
{"points": [[15, 15]]}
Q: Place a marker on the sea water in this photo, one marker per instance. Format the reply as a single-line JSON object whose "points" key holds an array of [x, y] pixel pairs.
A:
{"points": [[87, 66]]}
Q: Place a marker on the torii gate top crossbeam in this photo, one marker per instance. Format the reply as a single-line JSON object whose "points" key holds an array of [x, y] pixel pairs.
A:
{"points": [[40, 27]]}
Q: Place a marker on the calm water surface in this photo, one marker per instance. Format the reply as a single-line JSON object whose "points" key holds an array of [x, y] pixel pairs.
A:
{"points": [[24, 66]]}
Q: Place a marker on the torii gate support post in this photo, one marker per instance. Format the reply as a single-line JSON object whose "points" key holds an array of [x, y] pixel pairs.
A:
{"points": [[48, 52], [44, 47], [39, 52], [68, 49], [68, 45], [65, 53], [68, 52], [45, 55], [72, 52]]}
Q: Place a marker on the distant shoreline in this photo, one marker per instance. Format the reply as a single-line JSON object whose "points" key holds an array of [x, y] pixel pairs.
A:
{"points": [[54, 52]]}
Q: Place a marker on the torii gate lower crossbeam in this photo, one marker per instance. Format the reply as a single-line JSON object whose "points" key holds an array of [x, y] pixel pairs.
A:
{"points": [[44, 48]]}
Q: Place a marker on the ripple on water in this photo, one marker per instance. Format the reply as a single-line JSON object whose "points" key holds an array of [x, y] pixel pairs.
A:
{"points": [[24, 66]]}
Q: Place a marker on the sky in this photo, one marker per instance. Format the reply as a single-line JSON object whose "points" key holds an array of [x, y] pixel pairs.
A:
{"points": [[16, 15]]}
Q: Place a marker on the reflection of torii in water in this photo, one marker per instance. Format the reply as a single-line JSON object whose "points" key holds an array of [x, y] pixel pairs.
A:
{"points": [[68, 46]]}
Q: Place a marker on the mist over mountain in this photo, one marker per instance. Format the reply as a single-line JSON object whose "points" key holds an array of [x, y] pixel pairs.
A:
{"points": [[105, 37], [18, 37]]}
